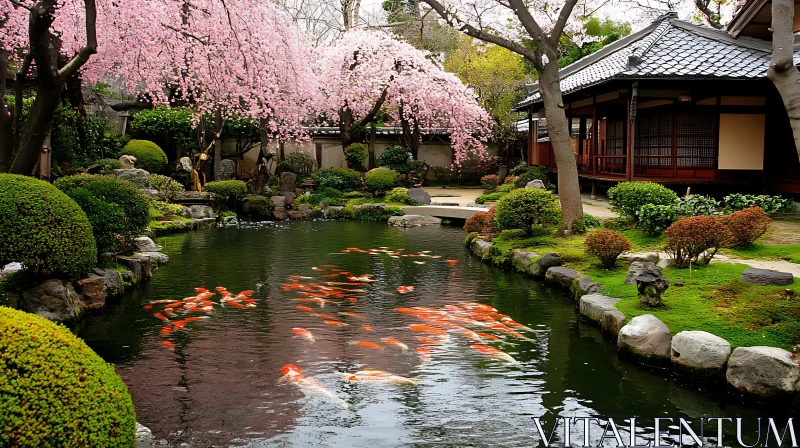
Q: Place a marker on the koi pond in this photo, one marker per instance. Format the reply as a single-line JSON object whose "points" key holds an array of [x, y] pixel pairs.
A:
{"points": [[362, 335]]}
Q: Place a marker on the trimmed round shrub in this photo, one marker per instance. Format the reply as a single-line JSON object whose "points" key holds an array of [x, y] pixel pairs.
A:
{"points": [[483, 223], [343, 179], [298, 162], [654, 219], [526, 207], [43, 228], [378, 181], [103, 198], [519, 169], [399, 195], [628, 197], [532, 173], [512, 180], [167, 187], [355, 155], [55, 391], [228, 194], [149, 156], [394, 157], [259, 208], [607, 245], [490, 182], [688, 239], [746, 226]]}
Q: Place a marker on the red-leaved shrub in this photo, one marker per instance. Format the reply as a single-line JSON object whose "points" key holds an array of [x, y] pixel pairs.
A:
{"points": [[510, 180], [483, 223], [607, 245], [490, 182], [746, 226], [689, 239]]}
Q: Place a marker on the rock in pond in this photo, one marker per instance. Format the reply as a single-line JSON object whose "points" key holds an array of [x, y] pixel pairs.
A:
{"points": [[419, 196], [545, 262], [699, 353], [112, 281], [481, 248], [561, 276], [333, 212], [592, 306], [92, 291], [140, 266], [584, 285], [229, 221], [198, 212], [764, 372], [53, 299], [144, 437], [413, 221], [158, 257], [766, 277], [522, 260], [647, 338], [145, 244]]}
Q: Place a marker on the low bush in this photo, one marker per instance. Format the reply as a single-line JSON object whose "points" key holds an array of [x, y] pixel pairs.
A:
{"points": [[298, 162], [379, 180], [330, 196], [697, 238], [607, 245], [654, 219], [55, 391], [510, 180], [696, 205], [483, 223], [343, 179], [43, 228], [519, 169], [505, 188], [418, 171], [490, 197], [228, 194], [168, 188], [628, 197], [770, 204], [746, 226], [165, 208], [490, 182], [526, 207], [580, 226], [395, 157], [108, 165], [355, 155], [532, 173], [117, 210], [259, 208], [149, 156], [399, 195]]}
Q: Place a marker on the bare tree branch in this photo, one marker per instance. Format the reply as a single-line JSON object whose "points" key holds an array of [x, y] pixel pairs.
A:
{"points": [[89, 49]]}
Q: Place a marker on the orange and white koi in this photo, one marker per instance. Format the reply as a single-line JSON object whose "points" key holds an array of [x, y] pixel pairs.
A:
{"points": [[335, 323], [395, 342], [367, 327], [494, 353], [309, 386], [405, 289], [366, 344], [326, 316], [378, 376], [428, 329], [303, 333]]}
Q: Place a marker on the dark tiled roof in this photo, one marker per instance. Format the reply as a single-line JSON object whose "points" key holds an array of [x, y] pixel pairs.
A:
{"points": [[667, 48]]}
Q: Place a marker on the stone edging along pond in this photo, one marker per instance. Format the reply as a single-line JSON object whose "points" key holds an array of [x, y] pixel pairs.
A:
{"points": [[760, 373]]}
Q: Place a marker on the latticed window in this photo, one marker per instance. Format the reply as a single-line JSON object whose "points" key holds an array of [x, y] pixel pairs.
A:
{"points": [[654, 138], [695, 145], [615, 138]]}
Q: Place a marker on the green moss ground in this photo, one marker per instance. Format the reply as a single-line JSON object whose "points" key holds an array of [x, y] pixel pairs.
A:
{"points": [[760, 251]]}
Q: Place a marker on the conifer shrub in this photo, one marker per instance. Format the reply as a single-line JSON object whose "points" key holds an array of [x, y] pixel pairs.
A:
{"points": [[607, 245], [746, 226], [628, 197], [228, 194], [355, 155], [55, 391], [149, 156], [379, 180], [526, 207], [43, 228], [696, 239]]}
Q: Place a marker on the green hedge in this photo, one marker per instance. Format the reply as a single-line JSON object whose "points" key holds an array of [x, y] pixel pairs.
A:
{"points": [[526, 207], [355, 155], [628, 197], [342, 179], [379, 180], [399, 195], [228, 194], [149, 156], [43, 228], [117, 210], [395, 157], [55, 391]]}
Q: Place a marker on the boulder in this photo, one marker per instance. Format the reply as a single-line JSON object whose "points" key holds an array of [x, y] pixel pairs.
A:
{"points": [[647, 338], [522, 260], [53, 299], [650, 257], [651, 283], [198, 212], [316, 214], [635, 268], [288, 196], [185, 165], [665, 263], [561, 276], [229, 221], [369, 210], [144, 437], [585, 285], [295, 214], [157, 257], [545, 262], [10, 268], [333, 212], [536, 183], [140, 266], [145, 244], [413, 221], [765, 372], [592, 306], [766, 277], [127, 162], [137, 176], [699, 352], [226, 170], [112, 281], [419, 196], [92, 291], [612, 321], [287, 182], [481, 248]]}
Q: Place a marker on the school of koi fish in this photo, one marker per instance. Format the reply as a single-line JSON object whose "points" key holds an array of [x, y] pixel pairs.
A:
{"points": [[473, 323]]}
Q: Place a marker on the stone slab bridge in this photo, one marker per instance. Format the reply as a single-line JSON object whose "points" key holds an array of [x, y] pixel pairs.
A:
{"points": [[443, 211]]}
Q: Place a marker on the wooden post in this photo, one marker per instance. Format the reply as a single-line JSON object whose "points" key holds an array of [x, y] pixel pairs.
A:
{"points": [[595, 140], [371, 148], [535, 136], [631, 125], [45, 159]]}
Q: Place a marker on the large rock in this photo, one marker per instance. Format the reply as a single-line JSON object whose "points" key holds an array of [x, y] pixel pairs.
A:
{"points": [[651, 283], [288, 196], [481, 248], [612, 321], [545, 262], [522, 260], [144, 437], [635, 268], [295, 214], [198, 212], [145, 244], [185, 165], [766, 277], [333, 212], [137, 176], [92, 291], [53, 299], [413, 221], [157, 257], [699, 352], [536, 183], [584, 285], [141, 266], [287, 182], [592, 306], [279, 212], [561, 276], [647, 338], [127, 162], [649, 257], [419, 196], [766, 372], [112, 281], [229, 221], [227, 169]]}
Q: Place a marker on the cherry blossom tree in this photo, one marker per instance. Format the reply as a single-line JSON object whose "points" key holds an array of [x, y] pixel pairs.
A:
{"points": [[367, 72]]}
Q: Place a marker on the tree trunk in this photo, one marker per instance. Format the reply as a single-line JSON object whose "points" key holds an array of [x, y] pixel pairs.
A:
{"points": [[782, 71], [217, 144], [558, 129], [35, 129], [346, 127], [6, 148]]}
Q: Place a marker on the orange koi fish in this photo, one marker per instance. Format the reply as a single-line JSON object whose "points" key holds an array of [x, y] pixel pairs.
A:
{"points": [[169, 345], [148, 307], [334, 323], [352, 299], [160, 316], [367, 344], [511, 323], [452, 262], [468, 333], [305, 308], [428, 329], [220, 288], [200, 289], [427, 341], [309, 386], [366, 278], [166, 330], [247, 293], [378, 376], [424, 353], [405, 289], [367, 327], [351, 314], [494, 353], [392, 341], [489, 336], [326, 316], [303, 333]]}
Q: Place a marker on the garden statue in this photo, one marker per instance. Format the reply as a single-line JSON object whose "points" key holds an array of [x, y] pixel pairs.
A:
{"points": [[651, 283], [197, 186], [127, 162]]}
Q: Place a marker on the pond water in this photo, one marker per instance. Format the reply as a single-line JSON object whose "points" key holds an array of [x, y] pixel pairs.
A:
{"points": [[219, 385]]}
